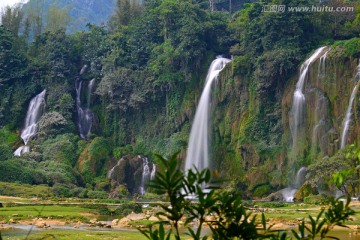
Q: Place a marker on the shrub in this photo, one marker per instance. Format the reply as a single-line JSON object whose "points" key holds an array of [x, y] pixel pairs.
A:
{"points": [[61, 190], [97, 194], [127, 208], [316, 199], [13, 170], [5, 152], [61, 149]]}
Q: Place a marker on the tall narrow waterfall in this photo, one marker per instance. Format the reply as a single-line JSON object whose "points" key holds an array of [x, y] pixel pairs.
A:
{"points": [[197, 153], [85, 115], [347, 120], [33, 115], [145, 177], [298, 107]]}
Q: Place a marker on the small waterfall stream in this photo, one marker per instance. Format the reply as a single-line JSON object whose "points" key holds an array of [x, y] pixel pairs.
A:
{"points": [[298, 107], [347, 120], [85, 115], [197, 153], [289, 192], [145, 175], [33, 115]]}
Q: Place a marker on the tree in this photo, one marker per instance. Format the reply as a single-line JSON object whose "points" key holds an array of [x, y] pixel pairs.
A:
{"points": [[11, 18], [57, 19], [348, 179], [126, 11], [12, 61]]}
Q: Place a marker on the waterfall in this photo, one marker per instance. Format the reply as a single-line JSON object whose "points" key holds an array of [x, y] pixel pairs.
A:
{"points": [[322, 60], [153, 172], [33, 115], [298, 108], [146, 174], [347, 120], [197, 153], [85, 115], [110, 173], [289, 192]]}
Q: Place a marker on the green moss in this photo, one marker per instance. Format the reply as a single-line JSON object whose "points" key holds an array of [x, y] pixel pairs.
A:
{"points": [[350, 47]]}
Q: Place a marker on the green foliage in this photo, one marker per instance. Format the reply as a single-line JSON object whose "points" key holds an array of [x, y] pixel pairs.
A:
{"points": [[316, 199], [127, 208], [5, 152], [61, 149], [66, 106], [12, 61], [61, 190], [11, 18], [100, 150], [97, 194], [230, 218], [13, 171], [350, 47], [8, 137], [121, 151]]}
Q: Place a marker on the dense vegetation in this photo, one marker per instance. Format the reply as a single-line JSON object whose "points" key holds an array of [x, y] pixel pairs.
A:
{"points": [[148, 63]]}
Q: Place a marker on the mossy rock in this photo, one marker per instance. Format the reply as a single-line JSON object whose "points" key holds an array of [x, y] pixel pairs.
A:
{"points": [[304, 191]]}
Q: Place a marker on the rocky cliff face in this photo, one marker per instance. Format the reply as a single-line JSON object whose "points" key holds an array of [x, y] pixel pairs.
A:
{"points": [[328, 87], [251, 130]]}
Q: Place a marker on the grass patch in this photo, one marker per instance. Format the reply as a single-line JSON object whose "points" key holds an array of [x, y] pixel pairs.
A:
{"points": [[25, 190], [66, 213], [86, 235]]}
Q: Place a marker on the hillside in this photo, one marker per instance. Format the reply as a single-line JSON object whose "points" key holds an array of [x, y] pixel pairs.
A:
{"points": [[81, 12], [88, 110]]}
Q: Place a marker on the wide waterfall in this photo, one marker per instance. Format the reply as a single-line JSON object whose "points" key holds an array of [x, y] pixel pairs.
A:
{"points": [[85, 115], [197, 153], [298, 107], [347, 120], [33, 115]]}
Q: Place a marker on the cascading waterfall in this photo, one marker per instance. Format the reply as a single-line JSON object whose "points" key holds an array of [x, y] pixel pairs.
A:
{"points": [[33, 115], [197, 153], [347, 120], [298, 107], [289, 192], [322, 61], [85, 115], [153, 172], [146, 175], [110, 173]]}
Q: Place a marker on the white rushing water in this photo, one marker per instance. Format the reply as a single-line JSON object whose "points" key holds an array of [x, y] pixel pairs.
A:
{"points": [[85, 115], [145, 175], [298, 107], [33, 115], [197, 152], [347, 120], [322, 64], [289, 192], [110, 173]]}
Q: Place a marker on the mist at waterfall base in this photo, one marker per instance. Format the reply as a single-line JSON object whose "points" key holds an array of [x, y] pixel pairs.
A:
{"points": [[348, 114], [85, 115], [33, 115], [198, 153]]}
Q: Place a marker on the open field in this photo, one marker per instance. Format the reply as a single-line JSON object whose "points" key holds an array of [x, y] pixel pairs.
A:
{"points": [[69, 219]]}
